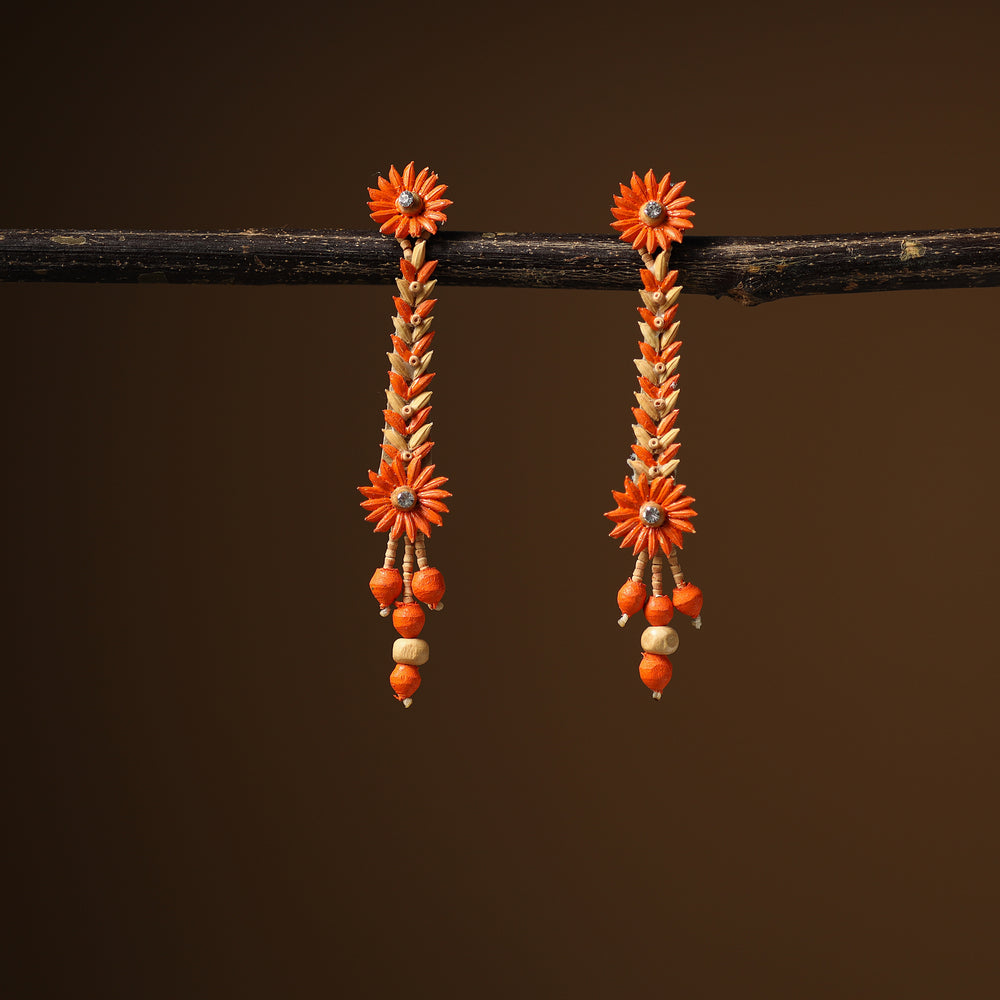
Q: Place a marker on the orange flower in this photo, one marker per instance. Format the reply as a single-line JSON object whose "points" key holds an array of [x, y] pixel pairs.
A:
{"points": [[404, 498], [406, 205], [652, 516], [652, 212]]}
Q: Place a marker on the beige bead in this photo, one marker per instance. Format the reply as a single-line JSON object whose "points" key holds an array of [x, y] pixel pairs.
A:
{"points": [[660, 639], [413, 651]]}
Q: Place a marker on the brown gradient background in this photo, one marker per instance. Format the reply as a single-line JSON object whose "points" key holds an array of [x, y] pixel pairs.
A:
{"points": [[213, 793]]}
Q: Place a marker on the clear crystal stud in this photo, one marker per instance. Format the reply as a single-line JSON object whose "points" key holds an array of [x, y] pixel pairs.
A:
{"points": [[651, 514], [403, 498], [652, 210]]}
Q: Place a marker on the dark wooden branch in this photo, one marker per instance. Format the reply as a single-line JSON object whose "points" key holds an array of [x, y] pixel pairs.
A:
{"points": [[750, 269]]}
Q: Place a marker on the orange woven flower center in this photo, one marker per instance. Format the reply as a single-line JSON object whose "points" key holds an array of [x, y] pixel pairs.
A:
{"points": [[403, 498], [652, 213], [652, 514], [410, 203]]}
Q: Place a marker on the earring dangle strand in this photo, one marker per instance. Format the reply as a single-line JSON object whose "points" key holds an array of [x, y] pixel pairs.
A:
{"points": [[654, 512], [404, 497]]}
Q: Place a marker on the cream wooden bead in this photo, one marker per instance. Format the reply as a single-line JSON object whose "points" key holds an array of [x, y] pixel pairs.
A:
{"points": [[660, 639], [413, 651]]}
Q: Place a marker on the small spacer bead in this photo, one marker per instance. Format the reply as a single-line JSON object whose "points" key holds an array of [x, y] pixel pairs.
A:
{"points": [[414, 652], [659, 639]]}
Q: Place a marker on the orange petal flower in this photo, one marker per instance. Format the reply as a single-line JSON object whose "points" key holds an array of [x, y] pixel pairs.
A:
{"points": [[652, 516], [404, 499], [652, 212], [408, 204]]}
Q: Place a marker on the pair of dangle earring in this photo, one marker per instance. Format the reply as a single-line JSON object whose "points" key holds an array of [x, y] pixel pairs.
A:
{"points": [[405, 498], [654, 512]]}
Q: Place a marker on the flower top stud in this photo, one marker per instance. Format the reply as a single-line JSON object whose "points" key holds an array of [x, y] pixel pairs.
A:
{"points": [[652, 213], [409, 204]]}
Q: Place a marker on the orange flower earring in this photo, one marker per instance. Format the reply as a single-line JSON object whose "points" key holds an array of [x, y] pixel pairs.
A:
{"points": [[404, 497], [654, 513]]}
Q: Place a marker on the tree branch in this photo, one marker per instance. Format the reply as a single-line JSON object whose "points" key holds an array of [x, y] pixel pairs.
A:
{"points": [[750, 269]]}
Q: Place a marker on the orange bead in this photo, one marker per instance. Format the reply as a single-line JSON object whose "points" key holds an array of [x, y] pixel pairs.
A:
{"points": [[408, 620], [688, 599], [386, 585], [659, 610], [405, 680], [428, 585], [631, 597], [655, 671]]}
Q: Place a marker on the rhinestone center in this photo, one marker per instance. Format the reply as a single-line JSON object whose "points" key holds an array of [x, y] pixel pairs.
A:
{"points": [[409, 202], [652, 211], [652, 514], [403, 498]]}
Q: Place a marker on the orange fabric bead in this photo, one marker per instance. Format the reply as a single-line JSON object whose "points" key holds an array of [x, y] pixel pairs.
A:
{"points": [[428, 585], [659, 610], [688, 599], [631, 597], [655, 671], [408, 620], [386, 585], [405, 680]]}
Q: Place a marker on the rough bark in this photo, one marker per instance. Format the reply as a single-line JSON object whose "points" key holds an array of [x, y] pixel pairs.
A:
{"points": [[750, 269]]}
